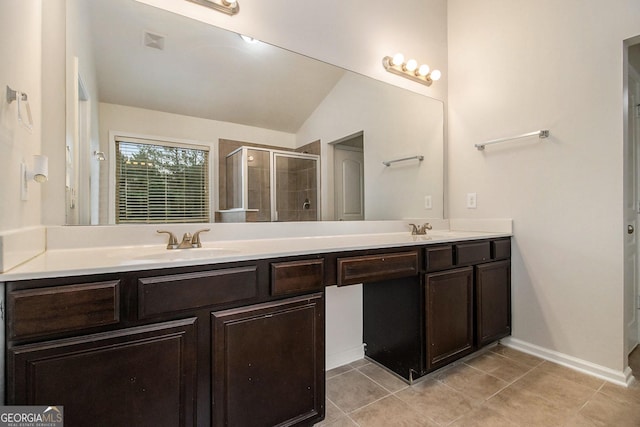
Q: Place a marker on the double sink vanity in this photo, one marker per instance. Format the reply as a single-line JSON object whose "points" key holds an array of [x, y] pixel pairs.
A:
{"points": [[233, 333]]}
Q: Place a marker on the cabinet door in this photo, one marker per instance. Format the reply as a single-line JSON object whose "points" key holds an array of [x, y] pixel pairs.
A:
{"points": [[493, 296], [449, 317], [268, 363], [143, 376]]}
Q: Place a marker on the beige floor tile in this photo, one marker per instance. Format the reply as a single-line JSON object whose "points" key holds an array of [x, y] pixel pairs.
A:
{"points": [[570, 374], [337, 371], [523, 408], [353, 390], [389, 411], [579, 420], [472, 382], [499, 366], [518, 356], [436, 401], [607, 411], [555, 388], [359, 363], [629, 395], [383, 377], [482, 417], [331, 414], [343, 421]]}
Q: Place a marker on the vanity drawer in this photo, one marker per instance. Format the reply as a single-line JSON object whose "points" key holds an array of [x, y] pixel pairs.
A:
{"points": [[438, 258], [45, 311], [297, 276], [472, 253], [189, 291], [501, 249], [373, 268]]}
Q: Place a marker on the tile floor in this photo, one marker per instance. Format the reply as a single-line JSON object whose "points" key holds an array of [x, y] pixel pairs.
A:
{"points": [[500, 387]]}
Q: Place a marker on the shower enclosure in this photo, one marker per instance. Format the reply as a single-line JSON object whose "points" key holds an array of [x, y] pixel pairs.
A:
{"points": [[272, 185]]}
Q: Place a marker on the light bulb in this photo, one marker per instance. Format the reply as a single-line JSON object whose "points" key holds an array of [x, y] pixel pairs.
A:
{"points": [[435, 75], [40, 168], [411, 65], [397, 59], [423, 70]]}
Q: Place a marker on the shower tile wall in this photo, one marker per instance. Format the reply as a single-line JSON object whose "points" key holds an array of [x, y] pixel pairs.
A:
{"points": [[296, 183]]}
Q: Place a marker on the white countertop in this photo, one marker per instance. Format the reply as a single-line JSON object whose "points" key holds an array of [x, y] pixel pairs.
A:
{"points": [[112, 259]]}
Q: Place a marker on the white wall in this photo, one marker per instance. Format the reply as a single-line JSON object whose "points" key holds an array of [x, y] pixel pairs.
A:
{"points": [[53, 108], [517, 66], [80, 66], [396, 124], [355, 35], [20, 50], [143, 122]]}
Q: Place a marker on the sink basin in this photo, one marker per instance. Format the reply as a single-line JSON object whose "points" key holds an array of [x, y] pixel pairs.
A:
{"points": [[146, 254], [183, 254]]}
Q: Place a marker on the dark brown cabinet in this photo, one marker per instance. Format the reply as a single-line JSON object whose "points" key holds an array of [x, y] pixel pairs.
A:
{"points": [[142, 376], [493, 301], [42, 312], [189, 346], [242, 343], [268, 363], [449, 315], [459, 301], [370, 268]]}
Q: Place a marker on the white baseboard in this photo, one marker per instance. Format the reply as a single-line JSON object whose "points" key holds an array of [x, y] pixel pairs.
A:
{"points": [[623, 378], [344, 357]]}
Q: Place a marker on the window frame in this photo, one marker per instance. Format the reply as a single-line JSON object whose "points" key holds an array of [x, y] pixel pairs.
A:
{"points": [[157, 140]]}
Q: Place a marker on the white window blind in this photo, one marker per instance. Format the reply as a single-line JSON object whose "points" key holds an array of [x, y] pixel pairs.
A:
{"points": [[160, 182]]}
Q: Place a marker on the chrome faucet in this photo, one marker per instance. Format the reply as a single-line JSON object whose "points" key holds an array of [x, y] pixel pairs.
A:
{"points": [[188, 241], [421, 230]]}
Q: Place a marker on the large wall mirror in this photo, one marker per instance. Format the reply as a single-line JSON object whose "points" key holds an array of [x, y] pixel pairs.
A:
{"points": [[173, 120]]}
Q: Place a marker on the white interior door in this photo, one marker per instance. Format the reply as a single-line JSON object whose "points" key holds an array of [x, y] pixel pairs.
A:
{"points": [[349, 184], [632, 210]]}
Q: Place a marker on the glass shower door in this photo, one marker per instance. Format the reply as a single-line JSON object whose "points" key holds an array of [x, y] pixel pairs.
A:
{"points": [[296, 187]]}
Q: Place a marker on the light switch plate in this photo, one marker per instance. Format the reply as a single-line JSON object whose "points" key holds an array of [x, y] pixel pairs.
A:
{"points": [[427, 202], [472, 200]]}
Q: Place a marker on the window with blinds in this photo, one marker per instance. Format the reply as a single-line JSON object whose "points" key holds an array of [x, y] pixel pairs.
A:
{"points": [[158, 182]]}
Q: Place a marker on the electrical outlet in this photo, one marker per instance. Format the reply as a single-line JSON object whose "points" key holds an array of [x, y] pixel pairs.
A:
{"points": [[427, 202], [472, 200]]}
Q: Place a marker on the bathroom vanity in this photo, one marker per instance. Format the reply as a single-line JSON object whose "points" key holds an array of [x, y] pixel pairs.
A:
{"points": [[239, 340]]}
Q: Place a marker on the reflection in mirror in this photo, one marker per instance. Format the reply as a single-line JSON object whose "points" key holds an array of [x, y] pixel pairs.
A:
{"points": [[136, 73]]}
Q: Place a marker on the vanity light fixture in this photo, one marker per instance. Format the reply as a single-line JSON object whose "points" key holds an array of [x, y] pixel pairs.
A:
{"points": [[422, 74], [99, 156], [230, 7], [39, 174]]}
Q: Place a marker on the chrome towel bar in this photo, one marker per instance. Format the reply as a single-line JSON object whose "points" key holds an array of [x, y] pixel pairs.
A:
{"points": [[539, 133], [388, 163]]}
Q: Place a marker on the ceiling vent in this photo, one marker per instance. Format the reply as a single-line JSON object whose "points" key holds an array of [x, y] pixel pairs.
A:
{"points": [[154, 41]]}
